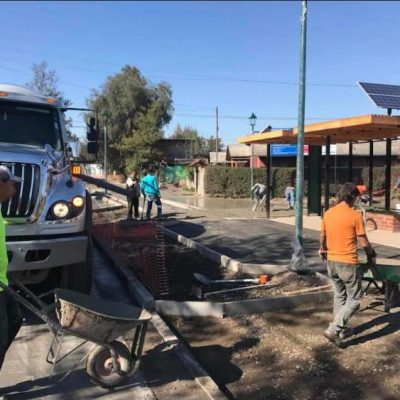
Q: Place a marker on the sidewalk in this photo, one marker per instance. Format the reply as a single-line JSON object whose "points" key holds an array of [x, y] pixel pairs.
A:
{"points": [[241, 209]]}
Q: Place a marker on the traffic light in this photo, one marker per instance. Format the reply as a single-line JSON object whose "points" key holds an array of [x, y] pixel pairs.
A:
{"points": [[91, 132], [91, 135]]}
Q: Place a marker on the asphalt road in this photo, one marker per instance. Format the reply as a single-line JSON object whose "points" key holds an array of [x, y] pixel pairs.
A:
{"points": [[258, 241]]}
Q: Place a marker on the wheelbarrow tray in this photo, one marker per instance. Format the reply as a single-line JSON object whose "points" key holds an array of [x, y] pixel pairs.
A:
{"points": [[96, 319], [388, 270]]}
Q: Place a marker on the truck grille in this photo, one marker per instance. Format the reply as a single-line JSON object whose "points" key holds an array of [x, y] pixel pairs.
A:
{"points": [[24, 201]]}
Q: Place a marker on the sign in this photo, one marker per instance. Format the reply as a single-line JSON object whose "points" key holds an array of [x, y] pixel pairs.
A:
{"points": [[286, 150]]}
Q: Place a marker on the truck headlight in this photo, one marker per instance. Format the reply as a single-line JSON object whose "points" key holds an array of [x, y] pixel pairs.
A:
{"points": [[60, 210], [78, 201]]}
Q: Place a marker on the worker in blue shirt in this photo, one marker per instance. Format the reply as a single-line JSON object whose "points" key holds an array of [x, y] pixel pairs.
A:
{"points": [[151, 191]]}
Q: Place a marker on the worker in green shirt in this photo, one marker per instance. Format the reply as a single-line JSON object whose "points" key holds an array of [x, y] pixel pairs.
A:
{"points": [[10, 312]]}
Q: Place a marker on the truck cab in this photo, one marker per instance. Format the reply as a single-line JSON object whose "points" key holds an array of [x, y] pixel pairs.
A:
{"points": [[48, 220]]}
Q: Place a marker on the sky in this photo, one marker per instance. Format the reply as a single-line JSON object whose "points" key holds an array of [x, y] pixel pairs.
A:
{"points": [[242, 57]]}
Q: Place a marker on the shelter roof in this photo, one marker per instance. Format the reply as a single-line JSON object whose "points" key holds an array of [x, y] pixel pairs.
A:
{"points": [[354, 129]]}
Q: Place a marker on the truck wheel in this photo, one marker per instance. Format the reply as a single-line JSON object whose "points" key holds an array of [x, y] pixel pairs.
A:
{"points": [[78, 277], [99, 365]]}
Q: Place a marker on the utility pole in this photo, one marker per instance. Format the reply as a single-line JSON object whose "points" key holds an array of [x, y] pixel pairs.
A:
{"points": [[216, 135], [300, 133], [104, 115]]}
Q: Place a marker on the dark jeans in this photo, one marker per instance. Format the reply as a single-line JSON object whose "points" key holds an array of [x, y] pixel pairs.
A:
{"points": [[156, 200], [10, 322], [347, 292], [133, 201]]}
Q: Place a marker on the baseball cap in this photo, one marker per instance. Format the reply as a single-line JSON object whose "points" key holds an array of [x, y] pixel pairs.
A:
{"points": [[6, 174]]}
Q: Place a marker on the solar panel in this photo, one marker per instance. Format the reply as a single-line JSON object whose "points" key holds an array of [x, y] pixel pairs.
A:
{"points": [[385, 96]]}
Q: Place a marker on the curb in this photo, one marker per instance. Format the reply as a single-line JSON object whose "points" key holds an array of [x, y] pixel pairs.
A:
{"points": [[225, 261]]}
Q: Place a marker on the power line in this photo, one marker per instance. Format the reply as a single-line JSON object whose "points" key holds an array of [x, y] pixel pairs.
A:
{"points": [[200, 77], [30, 74], [246, 118]]}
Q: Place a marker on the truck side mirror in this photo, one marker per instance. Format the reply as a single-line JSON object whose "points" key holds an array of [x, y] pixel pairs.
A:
{"points": [[92, 147], [91, 132]]}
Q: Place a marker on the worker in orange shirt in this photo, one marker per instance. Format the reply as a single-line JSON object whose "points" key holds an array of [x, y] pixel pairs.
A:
{"points": [[364, 197], [341, 229]]}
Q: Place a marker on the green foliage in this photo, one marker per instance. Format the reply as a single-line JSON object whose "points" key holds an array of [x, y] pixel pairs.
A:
{"points": [[45, 82], [235, 182], [378, 178], [173, 174], [211, 142], [134, 112]]}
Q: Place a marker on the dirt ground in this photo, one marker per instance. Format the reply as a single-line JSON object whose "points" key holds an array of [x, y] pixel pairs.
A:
{"points": [[284, 355]]}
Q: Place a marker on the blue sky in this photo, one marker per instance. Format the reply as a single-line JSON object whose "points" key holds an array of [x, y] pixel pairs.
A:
{"points": [[240, 56]]}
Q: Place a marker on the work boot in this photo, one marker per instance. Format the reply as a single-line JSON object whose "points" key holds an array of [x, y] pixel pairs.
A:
{"points": [[346, 332], [334, 337]]}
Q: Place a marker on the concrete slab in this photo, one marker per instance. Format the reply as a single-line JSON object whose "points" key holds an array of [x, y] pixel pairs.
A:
{"points": [[25, 374]]}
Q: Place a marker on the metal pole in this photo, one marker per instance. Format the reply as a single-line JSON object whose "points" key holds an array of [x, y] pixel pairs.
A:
{"points": [[251, 167], [269, 171], [371, 171], [105, 153], [300, 135], [350, 162], [216, 135], [388, 174], [327, 171]]}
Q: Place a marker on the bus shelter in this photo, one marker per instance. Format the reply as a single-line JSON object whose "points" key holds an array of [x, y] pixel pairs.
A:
{"points": [[360, 129]]}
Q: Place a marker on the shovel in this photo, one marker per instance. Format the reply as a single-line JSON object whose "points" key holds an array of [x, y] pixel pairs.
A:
{"points": [[144, 202], [207, 281]]}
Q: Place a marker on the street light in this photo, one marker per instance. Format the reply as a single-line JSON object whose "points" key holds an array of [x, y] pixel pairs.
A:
{"points": [[252, 120]]}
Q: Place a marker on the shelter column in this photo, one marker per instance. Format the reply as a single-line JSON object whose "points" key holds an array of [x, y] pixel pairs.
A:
{"points": [[327, 170], [269, 173], [371, 172], [350, 162], [388, 173]]}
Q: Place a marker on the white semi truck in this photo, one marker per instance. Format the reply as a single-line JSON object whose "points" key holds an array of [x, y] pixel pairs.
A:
{"points": [[49, 219]]}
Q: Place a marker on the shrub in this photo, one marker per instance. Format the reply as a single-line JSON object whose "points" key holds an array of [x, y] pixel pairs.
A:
{"points": [[235, 182]]}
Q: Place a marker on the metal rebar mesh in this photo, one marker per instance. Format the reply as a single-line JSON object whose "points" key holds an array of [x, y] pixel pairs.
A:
{"points": [[142, 245]]}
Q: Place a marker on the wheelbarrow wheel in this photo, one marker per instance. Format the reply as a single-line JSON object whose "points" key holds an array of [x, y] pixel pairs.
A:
{"points": [[100, 362]]}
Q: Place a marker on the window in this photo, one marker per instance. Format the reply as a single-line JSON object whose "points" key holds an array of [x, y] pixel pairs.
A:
{"points": [[24, 123]]}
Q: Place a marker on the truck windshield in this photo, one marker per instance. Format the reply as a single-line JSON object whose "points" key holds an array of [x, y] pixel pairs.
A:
{"points": [[24, 123]]}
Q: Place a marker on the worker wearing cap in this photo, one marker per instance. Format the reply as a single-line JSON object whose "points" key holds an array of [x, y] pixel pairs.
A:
{"points": [[10, 312], [341, 229]]}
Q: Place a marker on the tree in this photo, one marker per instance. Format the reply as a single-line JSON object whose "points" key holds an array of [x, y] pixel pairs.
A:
{"points": [[45, 82], [199, 142], [134, 112], [211, 142]]}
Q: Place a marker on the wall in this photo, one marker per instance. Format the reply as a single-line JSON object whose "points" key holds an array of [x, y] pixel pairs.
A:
{"points": [[385, 222]]}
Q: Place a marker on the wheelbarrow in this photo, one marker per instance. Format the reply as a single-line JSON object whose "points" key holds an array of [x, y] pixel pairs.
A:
{"points": [[385, 276], [110, 362]]}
